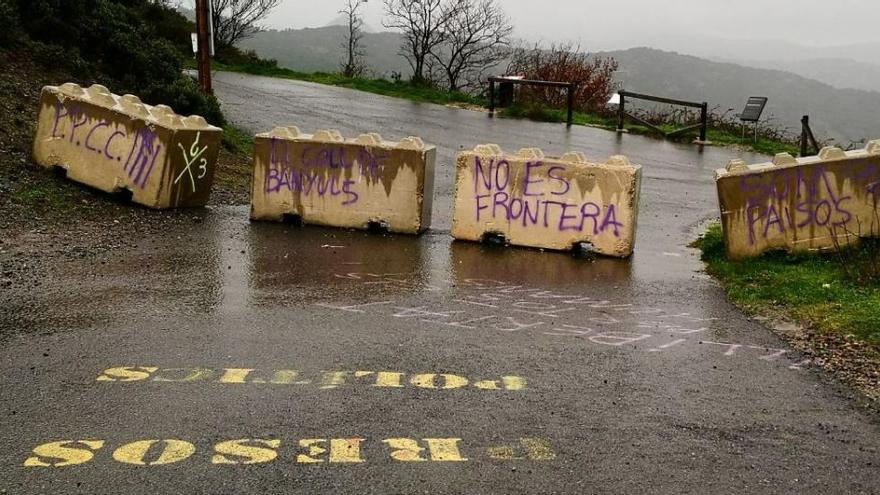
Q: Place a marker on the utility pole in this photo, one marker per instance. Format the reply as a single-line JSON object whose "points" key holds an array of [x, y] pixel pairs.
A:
{"points": [[204, 41]]}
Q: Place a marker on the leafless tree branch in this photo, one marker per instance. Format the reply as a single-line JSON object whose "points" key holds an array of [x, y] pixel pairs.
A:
{"points": [[354, 63], [477, 38], [235, 20], [423, 24]]}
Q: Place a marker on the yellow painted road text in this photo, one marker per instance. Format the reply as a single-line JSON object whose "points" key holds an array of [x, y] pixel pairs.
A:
{"points": [[247, 451], [324, 380]]}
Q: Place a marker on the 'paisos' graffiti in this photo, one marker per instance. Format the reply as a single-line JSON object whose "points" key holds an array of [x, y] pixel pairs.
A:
{"points": [[800, 204]]}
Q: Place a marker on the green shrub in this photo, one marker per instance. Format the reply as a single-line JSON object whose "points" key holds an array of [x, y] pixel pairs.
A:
{"points": [[248, 60], [131, 46], [62, 58], [8, 21], [185, 97]]}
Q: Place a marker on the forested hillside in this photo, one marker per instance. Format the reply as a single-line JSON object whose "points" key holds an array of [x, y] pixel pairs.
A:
{"points": [[320, 50]]}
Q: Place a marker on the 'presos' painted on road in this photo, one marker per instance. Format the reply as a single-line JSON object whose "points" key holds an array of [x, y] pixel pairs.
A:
{"points": [[325, 380], [247, 451]]}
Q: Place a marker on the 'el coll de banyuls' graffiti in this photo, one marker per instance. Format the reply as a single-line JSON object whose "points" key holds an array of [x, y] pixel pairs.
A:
{"points": [[323, 170], [323, 178]]}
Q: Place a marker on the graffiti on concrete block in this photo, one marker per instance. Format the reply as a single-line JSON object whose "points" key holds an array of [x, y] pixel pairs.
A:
{"points": [[135, 151], [542, 202], [800, 204], [787, 200], [321, 170], [326, 179], [115, 143], [550, 203], [192, 156]]}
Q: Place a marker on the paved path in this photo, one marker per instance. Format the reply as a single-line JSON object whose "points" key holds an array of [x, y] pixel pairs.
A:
{"points": [[225, 357]]}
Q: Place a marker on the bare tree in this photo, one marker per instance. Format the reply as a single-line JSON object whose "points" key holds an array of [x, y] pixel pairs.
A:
{"points": [[423, 25], [477, 38], [235, 20], [354, 62]]}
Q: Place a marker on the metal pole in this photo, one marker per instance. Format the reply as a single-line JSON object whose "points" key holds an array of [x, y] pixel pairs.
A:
{"points": [[211, 26], [204, 54], [491, 97], [704, 121], [621, 112]]}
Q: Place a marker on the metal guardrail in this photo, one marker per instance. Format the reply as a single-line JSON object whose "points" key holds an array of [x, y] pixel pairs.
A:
{"points": [[622, 115], [570, 86]]}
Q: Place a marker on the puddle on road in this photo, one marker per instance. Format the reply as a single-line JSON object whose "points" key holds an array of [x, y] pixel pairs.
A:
{"points": [[226, 267]]}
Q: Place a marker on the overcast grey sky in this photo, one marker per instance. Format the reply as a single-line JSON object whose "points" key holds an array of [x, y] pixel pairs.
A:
{"points": [[618, 24], [606, 24]]}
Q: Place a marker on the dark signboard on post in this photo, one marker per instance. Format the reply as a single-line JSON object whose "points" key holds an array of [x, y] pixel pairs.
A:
{"points": [[754, 109]]}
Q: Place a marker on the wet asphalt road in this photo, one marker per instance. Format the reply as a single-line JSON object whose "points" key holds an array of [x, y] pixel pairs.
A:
{"points": [[630, 376]]}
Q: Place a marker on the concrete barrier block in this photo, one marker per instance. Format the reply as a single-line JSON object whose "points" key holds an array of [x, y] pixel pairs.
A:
{"points": [[325, 179], [736, 165], [116, 143], [800, 204], [544, 202]]}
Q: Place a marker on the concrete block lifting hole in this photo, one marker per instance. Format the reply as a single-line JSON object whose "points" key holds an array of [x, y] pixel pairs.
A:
{"points": [[119, 145], [565, 203], [324, 179], [800, 204]]}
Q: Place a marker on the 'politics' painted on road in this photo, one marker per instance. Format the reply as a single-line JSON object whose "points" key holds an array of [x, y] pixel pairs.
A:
{"points": [[327, 380]]}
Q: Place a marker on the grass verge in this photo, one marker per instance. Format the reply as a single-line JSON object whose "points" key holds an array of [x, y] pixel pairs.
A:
{"points": [[232, 182], [811, 289], [399, 89], [716, 136]]}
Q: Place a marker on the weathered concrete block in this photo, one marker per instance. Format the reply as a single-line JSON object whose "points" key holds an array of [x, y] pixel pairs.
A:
{"points": [[542, 202], [324, 179], [800, 204], [117, 143]]}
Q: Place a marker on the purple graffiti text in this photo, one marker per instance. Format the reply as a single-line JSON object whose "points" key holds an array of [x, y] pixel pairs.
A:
{"points": [[99, 136], [494, 198], [781, 202]]}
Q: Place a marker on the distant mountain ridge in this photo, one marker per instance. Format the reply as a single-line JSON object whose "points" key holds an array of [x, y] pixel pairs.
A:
{"points": [[342, 20], [843, 114], [763, 49], [841, 73], [321, 49]]}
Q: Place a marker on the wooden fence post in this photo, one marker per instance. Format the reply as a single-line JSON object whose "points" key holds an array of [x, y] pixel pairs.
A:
{"points": [[491, 96], [704, 121]]}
